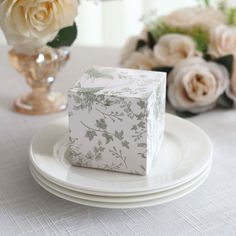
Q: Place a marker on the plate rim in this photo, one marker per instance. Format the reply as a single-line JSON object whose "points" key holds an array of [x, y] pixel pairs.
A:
{"points": [[91, 189], [125, 199], [124, 205]]}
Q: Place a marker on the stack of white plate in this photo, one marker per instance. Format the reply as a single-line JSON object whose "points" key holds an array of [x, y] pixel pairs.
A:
{"points": [[183, 164]]}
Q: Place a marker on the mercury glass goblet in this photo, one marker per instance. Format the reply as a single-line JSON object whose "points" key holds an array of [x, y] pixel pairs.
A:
{"points": [[40, 71]]}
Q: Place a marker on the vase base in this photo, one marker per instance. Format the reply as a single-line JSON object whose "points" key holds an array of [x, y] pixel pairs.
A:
{"points": [[30, 105]]}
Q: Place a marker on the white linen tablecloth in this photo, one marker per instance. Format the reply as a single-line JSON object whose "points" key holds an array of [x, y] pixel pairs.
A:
{"points": [[27, 209]]}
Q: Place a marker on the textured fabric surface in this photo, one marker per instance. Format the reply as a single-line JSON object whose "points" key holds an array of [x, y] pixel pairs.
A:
{"points": [[27, 209]]}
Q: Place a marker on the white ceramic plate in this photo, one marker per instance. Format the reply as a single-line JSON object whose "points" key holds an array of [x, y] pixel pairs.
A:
{"points": [[110, 199], [185, 153], [147, 203]]}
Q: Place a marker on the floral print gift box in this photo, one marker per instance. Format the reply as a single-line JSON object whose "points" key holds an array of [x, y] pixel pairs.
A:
{"points": [[117, 119]]}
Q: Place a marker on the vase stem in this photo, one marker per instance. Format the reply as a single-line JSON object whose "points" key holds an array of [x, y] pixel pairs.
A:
{"points": [[40, 75]]}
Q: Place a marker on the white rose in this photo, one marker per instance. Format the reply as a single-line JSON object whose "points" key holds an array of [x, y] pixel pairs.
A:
{"points": [[173, 48], [231, 91], [129, 48], [31, 24], [186, 18], [195, 85], [222, 41], [142, 59], [131, 44]]}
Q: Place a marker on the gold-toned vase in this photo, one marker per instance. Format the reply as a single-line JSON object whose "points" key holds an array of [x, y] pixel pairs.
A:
{"points": [[40, 71]]}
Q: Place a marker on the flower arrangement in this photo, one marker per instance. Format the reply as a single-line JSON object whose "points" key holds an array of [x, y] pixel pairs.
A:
{"points": [[197, 48], [30, 25]]}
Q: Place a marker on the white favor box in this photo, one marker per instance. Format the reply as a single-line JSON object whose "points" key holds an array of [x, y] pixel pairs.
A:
{"points": [[117, 119]]}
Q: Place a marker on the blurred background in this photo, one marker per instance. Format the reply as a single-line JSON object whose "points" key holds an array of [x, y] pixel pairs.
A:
{"points": [[110, 23]]}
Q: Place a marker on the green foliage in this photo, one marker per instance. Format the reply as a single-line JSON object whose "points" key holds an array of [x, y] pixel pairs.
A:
{"points": [[185, 114], [227, 61], [140, 44], [65, 37], [119, 135], [207, 3], [230, 13], [159, 29], [151, 42], [141, 104], [225, 102], [222, 6], [199, 34], [163, 69], [101, 124], [91, 134], [204, 3], [125, 144], [231, 16], [201, 38], [108, 137]]}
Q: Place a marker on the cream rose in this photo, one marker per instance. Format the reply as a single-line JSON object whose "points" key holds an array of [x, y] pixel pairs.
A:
{"points": [[142, 59], [186, 18], [131, 44], [30, 24], [129, 48], [222, 41], [195, 85], [173, 48]]}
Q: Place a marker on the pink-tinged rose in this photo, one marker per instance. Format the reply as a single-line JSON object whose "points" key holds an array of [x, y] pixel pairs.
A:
{"points": [[195, 85], [129, 48], [131, 45], [173, 48], [142, 59], [222, 41], [187, 18]]}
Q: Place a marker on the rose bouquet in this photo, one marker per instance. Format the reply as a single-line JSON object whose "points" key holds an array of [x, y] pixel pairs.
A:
{"points": [[197, 48]]}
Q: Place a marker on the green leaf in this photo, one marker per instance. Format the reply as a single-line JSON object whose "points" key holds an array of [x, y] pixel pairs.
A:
{"points": [[222, 6], [119, 135], [226, 61], [125, 144], [231, 14], [201, 38], [140, 44], [144, 145], [141, 104], [101, 124], [199, 34], [163, 69], [91, 134], [207, 3], [207, 57], [159, 29], [225, 102], [151, 40], [143, 155], [185, 114], [140, 116], [108, 137], [65, 37]]}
